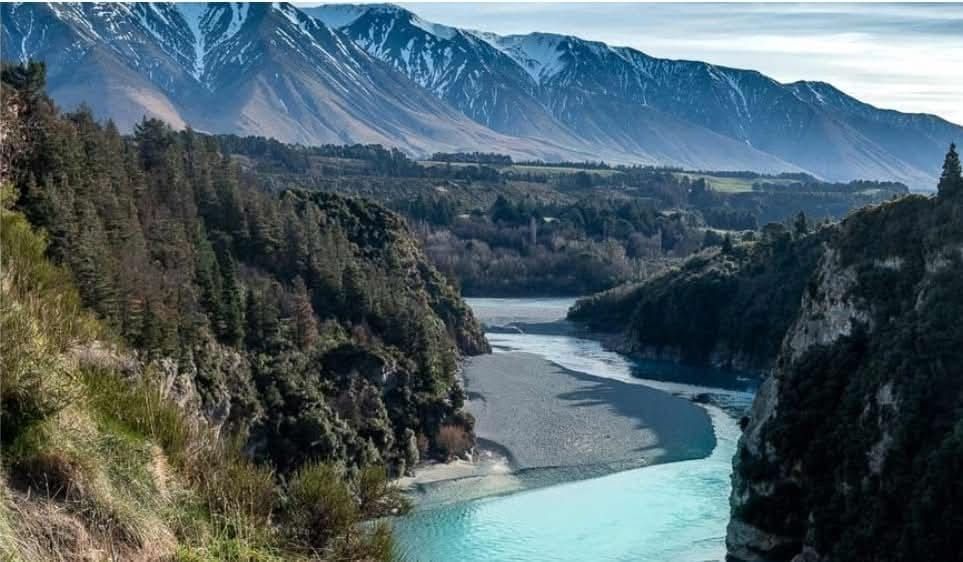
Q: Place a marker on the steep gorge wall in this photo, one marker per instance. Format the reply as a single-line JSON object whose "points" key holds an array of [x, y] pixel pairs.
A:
{"points": [[853, 447]]}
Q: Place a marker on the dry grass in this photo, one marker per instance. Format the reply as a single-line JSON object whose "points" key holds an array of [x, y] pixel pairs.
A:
{"points": [[453, 440], [94, 466]]}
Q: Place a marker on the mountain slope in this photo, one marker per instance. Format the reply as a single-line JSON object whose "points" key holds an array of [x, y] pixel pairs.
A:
{"points": [[453, 64], [621, 101], [485, 77], [381, 74], [257, 69], [738, 104], [853, 447]]}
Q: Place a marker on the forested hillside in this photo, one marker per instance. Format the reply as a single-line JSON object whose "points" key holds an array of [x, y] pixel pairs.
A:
{"points": [[308, 326], [502, 228], [852, 448], [854, 445], [728, 306]]}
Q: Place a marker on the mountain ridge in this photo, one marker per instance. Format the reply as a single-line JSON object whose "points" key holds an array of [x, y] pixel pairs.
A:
{"points": [[381, 74]]}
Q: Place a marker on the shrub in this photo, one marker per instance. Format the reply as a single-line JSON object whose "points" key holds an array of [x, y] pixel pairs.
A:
{"points": [[453, 440], [141, 406], [40, 317], [320, 505], [377, 496]]}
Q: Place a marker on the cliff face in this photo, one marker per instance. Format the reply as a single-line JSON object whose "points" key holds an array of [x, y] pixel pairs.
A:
{"points": [[853, 446]]}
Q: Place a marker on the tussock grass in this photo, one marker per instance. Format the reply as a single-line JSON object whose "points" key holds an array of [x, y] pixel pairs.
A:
{"points": [[97, 466]]}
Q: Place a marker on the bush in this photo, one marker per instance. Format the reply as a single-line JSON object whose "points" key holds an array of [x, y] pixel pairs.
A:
{"points": [[377, 496], [40, 318], [453, 440], [320, 506]]}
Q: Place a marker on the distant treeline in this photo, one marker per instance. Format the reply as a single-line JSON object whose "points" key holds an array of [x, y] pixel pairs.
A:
{"points": [[812, 184], [473, 158]]}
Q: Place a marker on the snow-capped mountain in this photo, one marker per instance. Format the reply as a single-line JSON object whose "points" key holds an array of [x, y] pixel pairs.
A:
{"points": [[620, 100], [266, 69], [379, 73], [499, 82], [455, 65]]}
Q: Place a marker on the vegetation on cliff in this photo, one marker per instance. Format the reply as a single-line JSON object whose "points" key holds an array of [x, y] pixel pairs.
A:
{"points": [[232, 332], [730, 305], [854, 446], [99, 462]]}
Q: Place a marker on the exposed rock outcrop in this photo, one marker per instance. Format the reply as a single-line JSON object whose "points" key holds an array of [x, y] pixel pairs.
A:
{"points": [[853, 446]]}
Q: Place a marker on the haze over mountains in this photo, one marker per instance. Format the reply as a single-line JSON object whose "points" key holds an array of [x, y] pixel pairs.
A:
{"points": [[380, 74]]}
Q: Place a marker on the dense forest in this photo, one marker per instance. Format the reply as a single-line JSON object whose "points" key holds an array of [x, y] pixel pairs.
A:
{"points": [[500, 228], [854, 447], [303, 327]]}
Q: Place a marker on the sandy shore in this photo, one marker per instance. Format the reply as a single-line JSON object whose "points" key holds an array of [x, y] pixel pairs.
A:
{"points": [[541, 415], [539, 424]]}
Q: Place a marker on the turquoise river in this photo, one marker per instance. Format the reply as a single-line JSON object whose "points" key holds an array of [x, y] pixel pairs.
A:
{"points": [[665, 512]]}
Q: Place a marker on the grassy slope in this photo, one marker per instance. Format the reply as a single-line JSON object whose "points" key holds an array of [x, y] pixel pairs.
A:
{"points": [[97, 464]]}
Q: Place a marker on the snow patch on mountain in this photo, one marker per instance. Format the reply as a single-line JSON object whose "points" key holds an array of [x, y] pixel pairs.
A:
{"points": [[540, 54], [338, 15], [193, 14], [436, 29]]}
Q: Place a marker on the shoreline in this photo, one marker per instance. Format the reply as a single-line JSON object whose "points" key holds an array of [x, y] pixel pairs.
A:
{"points": [[538, 423]]}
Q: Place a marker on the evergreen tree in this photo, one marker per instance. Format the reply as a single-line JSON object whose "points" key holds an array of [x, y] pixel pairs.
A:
{"points": [[151, 333], [305, 324], [232, 319], [727, 244], [951, 180], [253, 331], [801, 225], [356, 302]]}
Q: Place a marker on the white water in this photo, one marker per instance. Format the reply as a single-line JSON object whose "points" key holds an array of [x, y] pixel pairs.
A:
{"points": [[669, 512]]}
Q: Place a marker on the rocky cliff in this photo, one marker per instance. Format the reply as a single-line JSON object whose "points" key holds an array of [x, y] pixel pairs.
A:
{"points": [[854, 444]]}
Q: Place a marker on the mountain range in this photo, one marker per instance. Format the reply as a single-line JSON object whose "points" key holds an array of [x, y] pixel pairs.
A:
{"points": [[378, 73]]}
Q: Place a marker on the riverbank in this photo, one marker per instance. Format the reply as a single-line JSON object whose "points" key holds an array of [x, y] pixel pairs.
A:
{"points": [[538, 423], [543, 415], [546, 390]]}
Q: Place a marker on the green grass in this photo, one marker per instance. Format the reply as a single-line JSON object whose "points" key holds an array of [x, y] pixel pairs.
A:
{"points": [[731, 185], [524, 168]]}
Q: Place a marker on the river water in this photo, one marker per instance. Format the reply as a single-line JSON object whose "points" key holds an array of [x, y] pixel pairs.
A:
{"points": [[666, 512]]}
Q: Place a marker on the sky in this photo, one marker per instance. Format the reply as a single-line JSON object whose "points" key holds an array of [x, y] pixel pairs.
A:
{"points": [[897, 56]]}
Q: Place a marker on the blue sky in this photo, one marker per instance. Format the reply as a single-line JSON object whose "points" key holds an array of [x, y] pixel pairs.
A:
{"points": [[900, 56]]}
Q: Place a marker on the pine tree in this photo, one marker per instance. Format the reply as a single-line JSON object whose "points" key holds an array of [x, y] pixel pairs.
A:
{"points": [[801, 225], [153, 138], [355, 292], [207, 276], [232, 318], [305, 322], [151, 332], [253, 331], [951, 181]]}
